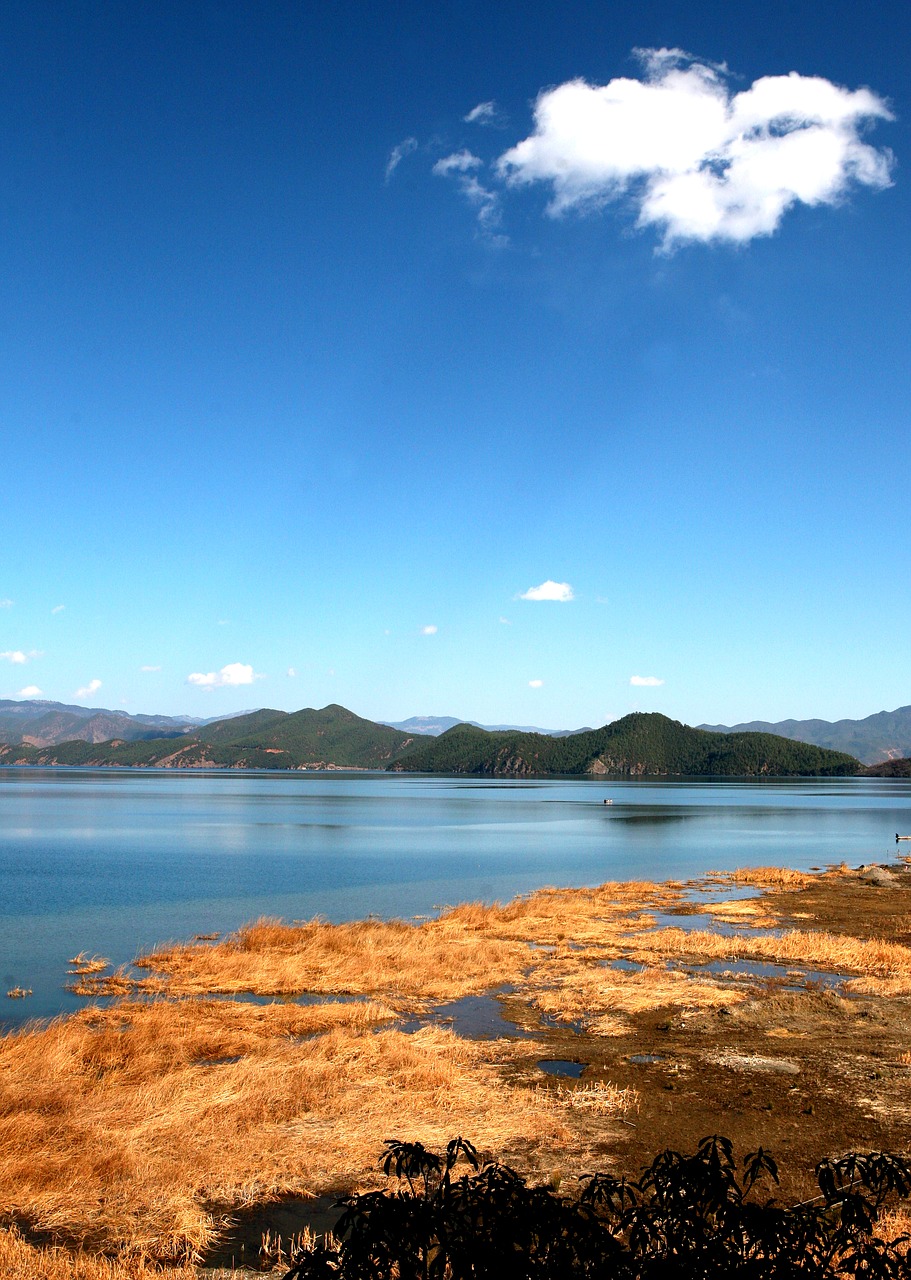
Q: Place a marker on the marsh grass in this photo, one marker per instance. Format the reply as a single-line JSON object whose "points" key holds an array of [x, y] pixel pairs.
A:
{"points": [[20, 1260], [140, 1127], [885, 967]]}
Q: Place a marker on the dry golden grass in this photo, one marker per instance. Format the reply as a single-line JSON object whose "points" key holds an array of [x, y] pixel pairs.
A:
{"points": [[440, 960], [140, 1125], [879, 961], [84, 963], [22, 1261], [767, 877], [598, 997]]}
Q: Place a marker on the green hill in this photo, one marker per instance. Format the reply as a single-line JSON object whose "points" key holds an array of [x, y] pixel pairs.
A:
{"points": [[332, 737], [639, 745]]}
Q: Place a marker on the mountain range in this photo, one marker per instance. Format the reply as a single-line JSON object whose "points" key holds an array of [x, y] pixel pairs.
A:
{"points": [[43, 724], [333, 737], [433, 726], [886, 735], [877, 738]]}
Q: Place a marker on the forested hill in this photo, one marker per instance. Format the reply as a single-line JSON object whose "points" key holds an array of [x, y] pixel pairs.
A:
{"points": [[331, 737], [639, 745]]}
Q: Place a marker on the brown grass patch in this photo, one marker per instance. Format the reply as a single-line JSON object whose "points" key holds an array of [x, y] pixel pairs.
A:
{"points": [[142, 1124], [20, 1260], [834, 953]]}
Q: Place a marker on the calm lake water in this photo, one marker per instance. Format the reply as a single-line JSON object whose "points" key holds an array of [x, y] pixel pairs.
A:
{"points": [[114, 861]]}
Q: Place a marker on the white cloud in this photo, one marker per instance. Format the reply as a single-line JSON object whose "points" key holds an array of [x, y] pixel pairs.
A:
{"points": [[18, 658], [86, 692], [233, 674], [459, 162], [30, 691], [483, 113], [549, 590], [150, 667], [645, 682], [698, 162], [430, 630], [483, 200], [58, 608], [291, 671], [505, 622], [6, 604], [536, 684], [398, 154]]}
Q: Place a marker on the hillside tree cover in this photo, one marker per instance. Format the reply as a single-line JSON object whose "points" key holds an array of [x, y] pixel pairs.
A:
{"points": [[640, 744]]}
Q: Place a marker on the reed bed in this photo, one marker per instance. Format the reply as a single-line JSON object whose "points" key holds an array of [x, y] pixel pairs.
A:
{"points": [[602, 999], [139, 1127], [20, 1260], [875, 959]]}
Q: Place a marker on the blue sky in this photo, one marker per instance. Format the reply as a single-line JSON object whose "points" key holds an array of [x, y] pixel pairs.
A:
{"points": [[298, 364]]}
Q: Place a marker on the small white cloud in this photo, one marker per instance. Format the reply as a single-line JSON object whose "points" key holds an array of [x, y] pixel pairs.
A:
{"points": [[536, 684], [398, 154], [483, 113], [483, 200], [150, 667], [86, 692], [549, 590], [6, 604], [233, 674], [18, 658], [58, 608], [291, 671], [224, 622], [645, 682], [459, 162], [505, 622], [429, 630], [697, 162], [30, 691]]}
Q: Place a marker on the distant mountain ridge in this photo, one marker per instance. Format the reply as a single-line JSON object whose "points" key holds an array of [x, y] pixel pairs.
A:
{"points": [[886, 735], [433, 726], [40, 723]]}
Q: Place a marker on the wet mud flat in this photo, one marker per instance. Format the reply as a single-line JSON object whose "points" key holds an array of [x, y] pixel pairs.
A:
{"points": [[804, 1063]]}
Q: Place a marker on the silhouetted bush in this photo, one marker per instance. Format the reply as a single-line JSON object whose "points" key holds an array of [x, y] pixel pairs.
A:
{"points": [[688, 1217]]}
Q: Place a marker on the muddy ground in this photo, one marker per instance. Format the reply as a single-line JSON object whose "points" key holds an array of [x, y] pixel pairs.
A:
{"points": [[801, 1066]]}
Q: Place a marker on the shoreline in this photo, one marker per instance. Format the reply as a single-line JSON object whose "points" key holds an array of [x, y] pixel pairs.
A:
{"points": [[607, 1023]]}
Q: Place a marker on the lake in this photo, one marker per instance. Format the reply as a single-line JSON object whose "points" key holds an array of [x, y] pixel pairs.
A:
{"points": [[113, 861]]}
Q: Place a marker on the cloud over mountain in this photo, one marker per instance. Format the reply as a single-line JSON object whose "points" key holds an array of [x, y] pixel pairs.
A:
{"points": [[234, 673]]}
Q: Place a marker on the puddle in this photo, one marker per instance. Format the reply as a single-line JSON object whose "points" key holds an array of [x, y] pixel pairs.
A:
{"points": [[627, 966], [553, 1023], [644, 1059], [301, 998], [701, 921], [562, 1067], [472, 1018], [795, 978], [280, 1221]]}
